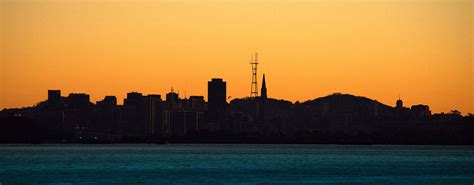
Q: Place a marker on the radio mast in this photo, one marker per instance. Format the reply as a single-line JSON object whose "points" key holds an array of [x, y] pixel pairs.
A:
{"points": [[254, 63]]}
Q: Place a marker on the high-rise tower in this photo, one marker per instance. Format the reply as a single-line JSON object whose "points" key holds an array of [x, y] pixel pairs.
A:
{"points": [[254, 87], [216, 95]]}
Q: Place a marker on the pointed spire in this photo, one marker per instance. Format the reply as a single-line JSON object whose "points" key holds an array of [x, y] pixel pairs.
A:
{"points": [[263, 91]]}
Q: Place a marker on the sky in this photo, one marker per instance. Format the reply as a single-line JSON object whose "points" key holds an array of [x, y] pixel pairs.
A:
{"points": [[420, 50]]}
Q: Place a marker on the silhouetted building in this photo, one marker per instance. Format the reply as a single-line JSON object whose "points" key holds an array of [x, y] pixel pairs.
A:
{"points": [[134, 114], [54, 101], [107, 118], [78, 101], [399, 104], [337, 118], [143, 115], [177, 122], [197, 103], [263, 91], [192, 122], [261, 104], [78, 113], [154, 116], [172, 100], [184, 103], [420, 111], [108, 101], [132, 98], [216, 93], [54, 96], [216, 106]]}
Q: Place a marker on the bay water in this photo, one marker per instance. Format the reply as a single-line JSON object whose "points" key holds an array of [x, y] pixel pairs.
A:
{"points": [[235, 164]]}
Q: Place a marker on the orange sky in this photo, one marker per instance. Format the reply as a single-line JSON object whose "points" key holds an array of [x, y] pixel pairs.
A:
{"points": [[421, 49]]}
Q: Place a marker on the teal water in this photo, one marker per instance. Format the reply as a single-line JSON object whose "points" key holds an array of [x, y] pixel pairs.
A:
{"points": [[235, 164]]}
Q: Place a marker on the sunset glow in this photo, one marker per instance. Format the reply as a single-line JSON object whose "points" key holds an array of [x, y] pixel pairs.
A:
{"points": [[418, 49]]}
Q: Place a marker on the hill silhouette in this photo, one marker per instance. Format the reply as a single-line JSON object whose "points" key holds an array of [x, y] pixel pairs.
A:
{"points": [[338, 103], [335, 118]]}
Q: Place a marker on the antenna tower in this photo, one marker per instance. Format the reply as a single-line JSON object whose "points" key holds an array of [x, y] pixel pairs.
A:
{"points": [[254, 63]]}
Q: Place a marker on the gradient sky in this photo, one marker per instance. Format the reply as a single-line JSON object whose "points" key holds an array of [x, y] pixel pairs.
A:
{"points": [[420, 49]]}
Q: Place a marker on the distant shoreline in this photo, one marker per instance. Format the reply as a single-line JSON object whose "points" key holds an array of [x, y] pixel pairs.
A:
{"points": [[233, 142]]}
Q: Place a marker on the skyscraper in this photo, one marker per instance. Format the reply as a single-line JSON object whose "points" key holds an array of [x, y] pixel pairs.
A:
{"points": [[107, 115], [154, 115], [216, 93], [134, 114], [172, 100], [197, 103]]}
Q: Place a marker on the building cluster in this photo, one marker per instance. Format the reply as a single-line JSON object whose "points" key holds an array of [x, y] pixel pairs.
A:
{"points": [[337, 118], [140, 116]]}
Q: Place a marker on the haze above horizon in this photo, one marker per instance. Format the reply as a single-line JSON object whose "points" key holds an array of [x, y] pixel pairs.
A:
{"points": [[420, 49]]}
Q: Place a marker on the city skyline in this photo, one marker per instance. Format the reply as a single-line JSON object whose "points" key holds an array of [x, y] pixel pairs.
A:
{"points": [[256, 118], [120, 98], [215, 85], [236, 91], [420, 50], [176, 95]]}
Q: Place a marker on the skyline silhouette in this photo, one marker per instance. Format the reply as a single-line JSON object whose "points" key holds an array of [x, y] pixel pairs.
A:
{"points": [[181, 96], [419, 49], [236, 91], [336, 118], [229, 97]]}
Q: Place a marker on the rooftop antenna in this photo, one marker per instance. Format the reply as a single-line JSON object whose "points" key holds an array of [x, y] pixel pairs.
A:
{"points": [[254, 86]]}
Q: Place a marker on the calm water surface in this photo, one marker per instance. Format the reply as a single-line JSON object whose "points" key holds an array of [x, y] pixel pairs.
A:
{"points": [[235, 164]]}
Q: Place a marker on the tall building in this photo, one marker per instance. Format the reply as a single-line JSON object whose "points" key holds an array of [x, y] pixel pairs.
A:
{"points": [[216, 93], [172, 100], [197, 103], [107, 117], [134, 114], [78, 101], [263, 91], [78, 113], [143, 115], [54, 101], [154, 116]]}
